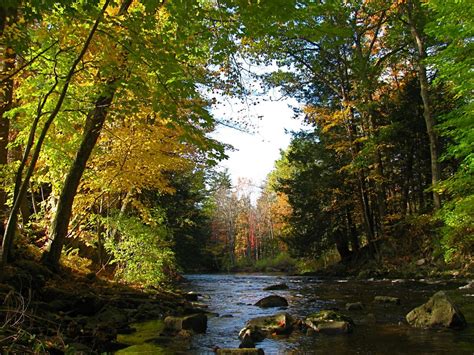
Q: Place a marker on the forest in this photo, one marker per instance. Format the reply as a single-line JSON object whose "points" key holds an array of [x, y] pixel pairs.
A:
{"points": [[108, 168]]}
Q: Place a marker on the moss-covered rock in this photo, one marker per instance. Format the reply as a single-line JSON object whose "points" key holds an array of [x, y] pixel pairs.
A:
{"points": [[329, 322], [195, 322], [260, 328], [439, 311]]}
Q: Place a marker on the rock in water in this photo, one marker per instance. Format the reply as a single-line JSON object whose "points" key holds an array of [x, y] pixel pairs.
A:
{"points": [[439, 311], [281, 286], [357, 306], [272, 301], [336, 327], [240, 351], [386, 299], [191, 296], [259, 328], [246, 339], [194, 322], [468, 286], [329, 322]]}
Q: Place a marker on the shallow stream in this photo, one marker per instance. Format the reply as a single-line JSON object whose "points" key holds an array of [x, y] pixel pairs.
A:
{"points": [[380, 328]]}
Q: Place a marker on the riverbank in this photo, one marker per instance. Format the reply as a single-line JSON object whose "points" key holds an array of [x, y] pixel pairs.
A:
{"points": [[70, 312], [385, 259]]}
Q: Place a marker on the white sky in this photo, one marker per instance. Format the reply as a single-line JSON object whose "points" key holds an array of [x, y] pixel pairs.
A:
{"points": [[255, 153]]}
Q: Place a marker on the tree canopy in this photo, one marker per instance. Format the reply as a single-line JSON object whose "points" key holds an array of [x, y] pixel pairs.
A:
{"points": [[106, 115]]}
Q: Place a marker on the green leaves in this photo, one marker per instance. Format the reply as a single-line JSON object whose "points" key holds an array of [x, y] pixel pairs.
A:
{"points": [[453, 25], [140, 251]]}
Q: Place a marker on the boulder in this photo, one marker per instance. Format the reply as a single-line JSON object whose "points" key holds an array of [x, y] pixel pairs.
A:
{"points": [[111, 316], [335, 327], [272, 301], [259, 328], [439, 311], [240, 351], [148, 310], [194, 322], [191, 296], [356, 306], [281, 286], [420, 262], [329, 322], [387, 299], [246, 339]]}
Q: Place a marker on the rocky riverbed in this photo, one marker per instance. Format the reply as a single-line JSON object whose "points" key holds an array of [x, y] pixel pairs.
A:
{"points": [[378, 309]]}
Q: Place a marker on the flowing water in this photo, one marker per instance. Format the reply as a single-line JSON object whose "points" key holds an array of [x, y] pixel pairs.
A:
{"points": [[380, 328]]}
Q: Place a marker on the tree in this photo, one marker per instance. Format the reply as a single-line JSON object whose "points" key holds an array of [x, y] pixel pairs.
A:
{"points": [[21, 185], [8, 15], [320, 199], [159, 38], [415, 22], [452, 25], [224, 213]]}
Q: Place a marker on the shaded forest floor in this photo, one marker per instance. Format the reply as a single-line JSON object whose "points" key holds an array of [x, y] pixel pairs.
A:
{"points": [[70, 312]]}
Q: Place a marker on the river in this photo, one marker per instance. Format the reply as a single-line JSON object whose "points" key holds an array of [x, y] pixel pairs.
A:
{"points": [[380, 328]]}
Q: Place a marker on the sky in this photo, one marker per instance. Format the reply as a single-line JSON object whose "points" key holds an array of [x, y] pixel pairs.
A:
{"points": [[256, 152]]}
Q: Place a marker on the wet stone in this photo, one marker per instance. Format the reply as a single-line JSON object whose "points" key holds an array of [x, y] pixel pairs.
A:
{"points": [[272, 301], [240, 351], [439, 311], [356, 306], [281, 286], [387, 299], [194, 322]]}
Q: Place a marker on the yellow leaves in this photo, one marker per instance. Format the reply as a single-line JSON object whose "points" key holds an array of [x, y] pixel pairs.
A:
{"points": [[138, 155], [326, 118]]}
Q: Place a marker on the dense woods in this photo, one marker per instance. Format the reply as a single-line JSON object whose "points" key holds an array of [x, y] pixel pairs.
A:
{"points": [[105, 153]]}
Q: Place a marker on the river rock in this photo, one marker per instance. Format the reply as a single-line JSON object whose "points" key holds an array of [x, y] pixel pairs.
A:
{"points": [[387, 299], [335, 327], [191, 296], [356, 306], [329, 322], [420, 262], [439, 311], [111, 316], [467, 286], [281, 286], [240, 351], [272, 301], [246, 339], [259, 328], [194, 322]]}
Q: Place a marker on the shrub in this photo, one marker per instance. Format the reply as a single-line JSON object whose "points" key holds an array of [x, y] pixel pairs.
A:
{"points": [[282, 262], [140, 252]]}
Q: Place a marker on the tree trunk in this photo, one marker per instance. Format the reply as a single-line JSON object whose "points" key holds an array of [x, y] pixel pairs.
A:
{"points": [[20, 191], [427, 109], [352, 233], [362, 195], [7, 64], [94, 124], [342, 246]]}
